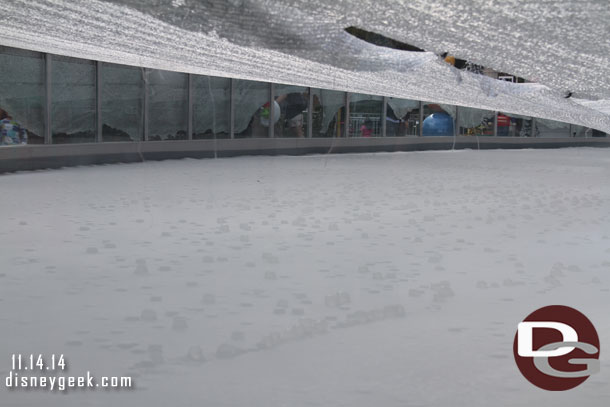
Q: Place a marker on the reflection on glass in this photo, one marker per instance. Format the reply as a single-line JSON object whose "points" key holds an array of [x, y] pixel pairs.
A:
{"points": [[328, 113], [21, 97], [477, 122], [252, 109], [402, 118], [293, 101], [365, 113], [122, 101], [211, 107], [168, 111], [438, 120], [73, 100]]}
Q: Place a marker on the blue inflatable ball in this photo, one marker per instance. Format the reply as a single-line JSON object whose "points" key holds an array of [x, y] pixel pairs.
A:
{"points": [[438, 124]]}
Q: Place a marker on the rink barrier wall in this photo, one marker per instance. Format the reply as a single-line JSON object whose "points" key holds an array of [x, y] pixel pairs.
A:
{"points": [[37, 157], [69, 100]]}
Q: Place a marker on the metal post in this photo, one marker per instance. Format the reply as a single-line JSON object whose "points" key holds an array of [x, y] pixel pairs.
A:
{"points": [[146, 102], [347, 115], [48, 135], [271, 110], [310, 114], [495, 124], [98, 100], [456, 120], [189, 125], [421, 118], [384, 116], [534, 127], [232, 108]]}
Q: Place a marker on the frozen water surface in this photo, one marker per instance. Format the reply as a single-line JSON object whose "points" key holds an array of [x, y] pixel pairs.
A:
{"points": [[352, 280]]}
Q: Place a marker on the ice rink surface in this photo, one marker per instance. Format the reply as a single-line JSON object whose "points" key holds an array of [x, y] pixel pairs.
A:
{"points": [[390, 279]]}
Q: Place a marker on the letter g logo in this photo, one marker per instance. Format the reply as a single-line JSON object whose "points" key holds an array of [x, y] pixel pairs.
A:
{"points": [[556, 348]]}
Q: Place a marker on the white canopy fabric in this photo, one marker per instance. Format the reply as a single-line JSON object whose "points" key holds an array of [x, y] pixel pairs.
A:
{"points": [[559, 45]]}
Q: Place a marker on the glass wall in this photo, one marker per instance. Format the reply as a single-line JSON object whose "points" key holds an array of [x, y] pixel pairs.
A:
{"points": [[22, 97], [168, 105], [402, 118], [552, 129], [125, 92], [328, 113], [293, 102], [211, 107], [478, 122], [122, 100], [73, 111], [252, 109], [438, 120], [365, 113]]}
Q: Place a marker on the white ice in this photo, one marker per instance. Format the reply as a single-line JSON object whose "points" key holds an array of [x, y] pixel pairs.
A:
{"points": [[391, 279]]}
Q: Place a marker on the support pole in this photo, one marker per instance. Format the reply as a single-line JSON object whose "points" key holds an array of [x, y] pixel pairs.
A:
{"points": [[534, 127], [190, 108], [48, 116], [310, 114], [347, 116], [98, 101], [456, 120], [271, 110], [384, 117], [232, 109], [421, 118], [146, 102]]}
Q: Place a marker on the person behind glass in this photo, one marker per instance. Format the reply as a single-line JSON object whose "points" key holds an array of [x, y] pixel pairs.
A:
{"points": [[293, 104], [366, 130], [11, 132], [503, 125]]}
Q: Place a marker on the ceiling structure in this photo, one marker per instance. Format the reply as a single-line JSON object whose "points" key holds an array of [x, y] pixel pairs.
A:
{"points": [[561, 46]]}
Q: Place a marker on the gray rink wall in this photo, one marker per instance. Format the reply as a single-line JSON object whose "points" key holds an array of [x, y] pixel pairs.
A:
{"points": [[57, 156], [82, 112]]}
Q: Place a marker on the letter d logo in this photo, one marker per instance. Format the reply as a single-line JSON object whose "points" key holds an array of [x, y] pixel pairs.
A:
{"points": [[526, 339], [556, 348]]}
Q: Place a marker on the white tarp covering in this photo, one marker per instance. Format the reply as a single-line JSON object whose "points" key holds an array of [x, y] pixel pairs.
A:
{"points": [[560, 45], [473, 117], [402, 106]]}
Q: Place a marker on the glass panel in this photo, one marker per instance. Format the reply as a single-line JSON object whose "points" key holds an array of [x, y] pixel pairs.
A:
{"points": [[438, 120], [21, 97], [252, 109], [402, 118], [520, 126], [293, 101], [328, 113], [552, 129], [73, 100], [211, 107], [594, 133], [168, 100], [577, 131], [479, 122], [122, 101], [365, 115]]}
